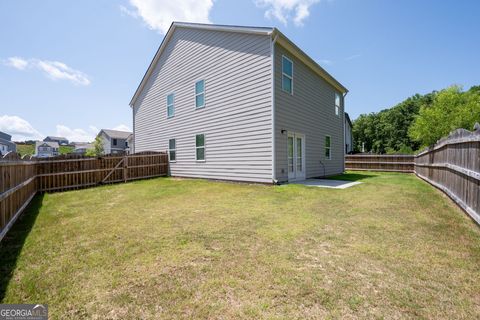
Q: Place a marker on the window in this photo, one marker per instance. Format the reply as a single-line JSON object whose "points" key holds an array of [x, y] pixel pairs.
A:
{"points": [[114, 142], [328, 154], [287, 75], [337, 103], [170, 105], [200, 94], [200, 147], [172, 150]]}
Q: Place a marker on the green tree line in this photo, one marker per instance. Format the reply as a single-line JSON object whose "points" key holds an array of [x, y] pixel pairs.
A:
{"points": [[417, 122]]}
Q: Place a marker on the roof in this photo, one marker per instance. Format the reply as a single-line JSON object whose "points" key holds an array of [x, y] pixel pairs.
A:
{"points": [[347, 117], [52, 144], [55, 138], [116, 134], [84, 146], [5, 136], [274, 33]]}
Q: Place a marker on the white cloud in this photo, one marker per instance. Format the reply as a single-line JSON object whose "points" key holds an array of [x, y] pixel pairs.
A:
{"points": [[324, 61], [17, 62], [122, 127], [55, 70], [20, 129], [77, 135], [159, 14], [126, 12], [58, 70], [355, 56], [83, 135], [285, 10]]}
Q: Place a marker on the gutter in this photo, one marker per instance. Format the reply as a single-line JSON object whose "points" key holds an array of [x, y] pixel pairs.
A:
{"points": [[274, 162], [343, 125]]}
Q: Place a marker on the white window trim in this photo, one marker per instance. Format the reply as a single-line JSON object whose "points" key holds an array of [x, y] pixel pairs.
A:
{"points": [[329, 148], [173, 104], [195, 94], [337, 107], [204, 147], [172, 150], [284, 74]]}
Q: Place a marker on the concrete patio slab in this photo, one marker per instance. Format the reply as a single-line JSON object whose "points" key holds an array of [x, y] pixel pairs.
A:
{"points": [[326, 183]]}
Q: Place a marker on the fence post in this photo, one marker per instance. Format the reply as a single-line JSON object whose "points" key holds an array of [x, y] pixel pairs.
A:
{"points": [[125, 168]]}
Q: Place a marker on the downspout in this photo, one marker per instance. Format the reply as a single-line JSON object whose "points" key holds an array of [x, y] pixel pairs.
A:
{"points": [[274, 162], [133, 127], [344, 151]]}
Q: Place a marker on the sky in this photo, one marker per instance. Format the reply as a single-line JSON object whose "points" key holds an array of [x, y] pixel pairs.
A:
{"points": [[70, 68]]}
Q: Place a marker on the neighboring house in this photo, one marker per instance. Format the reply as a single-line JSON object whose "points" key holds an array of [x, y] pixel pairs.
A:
{"points": [[348, 134], [6, 144], [130, 144], [45, 149], [114, 141], [82, 148], [239, 103], [60, 140]]}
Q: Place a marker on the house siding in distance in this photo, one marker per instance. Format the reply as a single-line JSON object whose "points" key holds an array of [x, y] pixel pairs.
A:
{"points": [[237, 117]]}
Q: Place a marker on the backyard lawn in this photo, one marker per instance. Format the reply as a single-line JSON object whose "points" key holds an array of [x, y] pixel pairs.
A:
{"points": [[29, 149], [392, 247]]}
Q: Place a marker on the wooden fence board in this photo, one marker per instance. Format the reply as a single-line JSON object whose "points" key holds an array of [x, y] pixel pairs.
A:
{"points": [[453, 166], [389, 163], [21, 180]]}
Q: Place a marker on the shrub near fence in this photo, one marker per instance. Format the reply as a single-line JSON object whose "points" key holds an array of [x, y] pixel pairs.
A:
{"points": [[20, 180]]}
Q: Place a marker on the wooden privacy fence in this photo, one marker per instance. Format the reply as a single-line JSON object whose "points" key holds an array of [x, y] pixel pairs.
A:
{"points": [[369, 162], [453, 165], [20, 180]]}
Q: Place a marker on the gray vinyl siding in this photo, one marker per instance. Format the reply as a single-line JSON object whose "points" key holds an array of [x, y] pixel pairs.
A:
{"points": [[237, 118], [310, 111], [120, 146], [348, 137]]}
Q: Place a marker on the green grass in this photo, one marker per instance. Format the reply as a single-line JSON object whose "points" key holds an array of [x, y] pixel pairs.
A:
{"points": [[65, 149], [391, 247], [29, 149], [25, 149]]}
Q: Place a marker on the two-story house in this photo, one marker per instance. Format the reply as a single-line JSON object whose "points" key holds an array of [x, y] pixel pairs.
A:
{"points": [[114, 141], [239, 103], [6, 144], [45, 149]]}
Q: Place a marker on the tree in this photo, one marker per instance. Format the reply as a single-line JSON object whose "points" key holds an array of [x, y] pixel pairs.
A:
{"points": [[97, 148], [452, 108], [387, 130]]}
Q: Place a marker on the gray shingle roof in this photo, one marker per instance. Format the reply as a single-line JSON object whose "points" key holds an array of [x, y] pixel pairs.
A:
{"points": [[5, 136], [116, 134], [49, 143], [56, 138]]}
